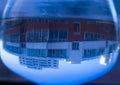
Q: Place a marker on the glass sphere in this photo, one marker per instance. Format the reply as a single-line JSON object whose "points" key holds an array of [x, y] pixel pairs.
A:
{"points": [[59, 42]]}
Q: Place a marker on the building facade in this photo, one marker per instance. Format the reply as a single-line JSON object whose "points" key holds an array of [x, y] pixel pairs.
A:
{"points": [[38, 63], [61, 38]]}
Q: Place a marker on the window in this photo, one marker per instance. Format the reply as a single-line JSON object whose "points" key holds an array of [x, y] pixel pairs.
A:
{"points": [[37, 35], [23, 28], [13, 37], [36, 52], [89, 53], [44, 34], [75, 46], [42, 52], [13, 49], [112, 47], [86, 36], [76, 28], [53, 36], [93, 36], [58, 35], [30, 35], [59, 53], [62, 35]]}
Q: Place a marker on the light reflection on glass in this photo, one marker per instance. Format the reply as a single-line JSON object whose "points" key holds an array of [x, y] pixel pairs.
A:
{"points": [[64, 46], [104, 60]]}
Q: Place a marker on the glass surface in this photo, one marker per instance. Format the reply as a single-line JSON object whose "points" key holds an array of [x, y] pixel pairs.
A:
{"points": [[58, 42]]}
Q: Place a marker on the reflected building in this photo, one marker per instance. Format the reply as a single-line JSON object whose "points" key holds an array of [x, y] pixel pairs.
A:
{"points": [[59, 38], [39, 63]]}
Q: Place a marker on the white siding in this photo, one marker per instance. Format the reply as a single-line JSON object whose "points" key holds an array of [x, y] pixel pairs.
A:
{"points": [[58, 45], [13, 44], [42, 45]]}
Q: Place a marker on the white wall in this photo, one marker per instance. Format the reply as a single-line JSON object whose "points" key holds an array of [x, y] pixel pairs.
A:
{"points": [[13, 44]]}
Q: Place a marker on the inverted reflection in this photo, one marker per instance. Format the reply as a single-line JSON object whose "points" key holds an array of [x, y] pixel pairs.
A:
{"points": [[42, 42], [41, 69], [57, 42]]}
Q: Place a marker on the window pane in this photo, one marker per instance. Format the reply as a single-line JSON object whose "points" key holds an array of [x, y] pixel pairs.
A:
{"points": [[76, 28], [75, 46]]}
